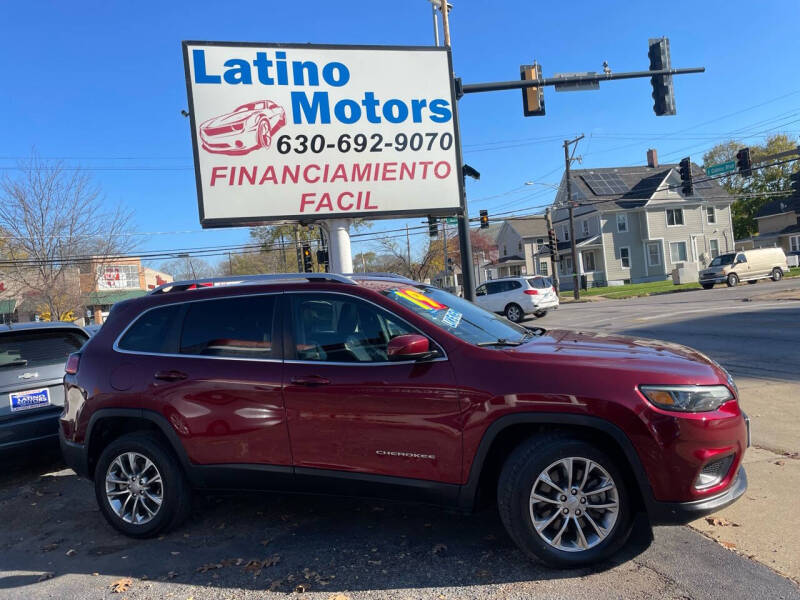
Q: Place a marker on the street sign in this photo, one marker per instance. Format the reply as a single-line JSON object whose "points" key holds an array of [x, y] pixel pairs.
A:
{"points": [[576, 86], [452, 220], [299, 132], [721, 168]]}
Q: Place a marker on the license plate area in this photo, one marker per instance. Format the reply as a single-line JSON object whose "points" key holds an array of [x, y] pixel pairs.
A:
{"points": [[29, 399]]}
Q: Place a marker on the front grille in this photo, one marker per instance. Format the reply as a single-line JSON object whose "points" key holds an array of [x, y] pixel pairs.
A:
{"points": [[713, 472]]}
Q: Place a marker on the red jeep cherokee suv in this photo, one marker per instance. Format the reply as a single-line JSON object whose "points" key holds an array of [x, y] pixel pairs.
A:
{"points": [[376, 385]]}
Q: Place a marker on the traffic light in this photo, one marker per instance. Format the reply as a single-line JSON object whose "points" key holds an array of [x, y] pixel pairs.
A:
{"points": [[532, 97], [685, 170], [794, 178], [743, 162], [551, 238], [308, 266], [322, 259], [663, 92], [449, 265], [433, 227], [484, 219]]}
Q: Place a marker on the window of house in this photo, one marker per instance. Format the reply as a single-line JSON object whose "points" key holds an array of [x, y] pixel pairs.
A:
{"points": [[588, 261], [565, 233], [794, 243], [519, 247], [714, 247], [674, 216], [711, 215], [653, 254], [337, 328], [622, 222], [585, 227], [625, 257], [677, 251], [566, 265], [543, 267], [505, 250], [229, 327]]}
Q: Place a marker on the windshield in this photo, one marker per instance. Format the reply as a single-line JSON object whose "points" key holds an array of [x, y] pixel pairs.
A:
{"points": [[456, 315], [722, 259]]}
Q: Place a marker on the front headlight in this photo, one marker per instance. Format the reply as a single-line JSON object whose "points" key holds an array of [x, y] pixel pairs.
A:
{"points": [[687, 398]]}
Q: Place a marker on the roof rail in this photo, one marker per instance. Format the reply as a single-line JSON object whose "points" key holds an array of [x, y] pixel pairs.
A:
{"points": [[379, 274], [189, 284]]}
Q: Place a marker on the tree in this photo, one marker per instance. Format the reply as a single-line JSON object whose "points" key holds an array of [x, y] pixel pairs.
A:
{"points": [[55, 219], [186, 267], [419, 267], [750, 192]]}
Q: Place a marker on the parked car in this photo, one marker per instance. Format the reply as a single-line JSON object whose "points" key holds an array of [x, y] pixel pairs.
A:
{"points": [[32, 359], [516, 297], [378, 386], [746, 265]]}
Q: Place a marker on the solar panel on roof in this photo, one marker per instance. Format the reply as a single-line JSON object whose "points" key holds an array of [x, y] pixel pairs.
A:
{"points": [[606, 184]]}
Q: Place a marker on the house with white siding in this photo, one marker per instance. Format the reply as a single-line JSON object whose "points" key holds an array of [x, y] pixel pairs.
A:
{"points": [[634, 224]]}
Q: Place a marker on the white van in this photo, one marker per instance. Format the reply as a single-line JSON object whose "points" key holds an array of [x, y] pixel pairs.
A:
{"points": [[746, 265]]}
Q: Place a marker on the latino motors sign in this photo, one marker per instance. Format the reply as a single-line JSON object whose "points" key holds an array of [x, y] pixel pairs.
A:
{"points": [[304, 132]]}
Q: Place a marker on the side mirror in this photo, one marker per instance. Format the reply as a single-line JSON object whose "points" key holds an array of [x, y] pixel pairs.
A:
{"points": [[480, 292], [409, 347]]}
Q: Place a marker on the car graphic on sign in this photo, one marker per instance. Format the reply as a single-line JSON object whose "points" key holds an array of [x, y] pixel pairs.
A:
{"points": [[248, 127]]}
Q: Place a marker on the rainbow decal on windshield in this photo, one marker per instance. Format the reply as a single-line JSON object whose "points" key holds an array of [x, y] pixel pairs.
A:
{"points": [[420, 299]]}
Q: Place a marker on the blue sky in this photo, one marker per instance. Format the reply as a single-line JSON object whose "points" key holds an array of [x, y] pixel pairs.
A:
{"points": [[101, 84]]}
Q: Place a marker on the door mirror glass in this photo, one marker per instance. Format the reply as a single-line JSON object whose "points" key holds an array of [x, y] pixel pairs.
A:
{"points": [[409, 347]]}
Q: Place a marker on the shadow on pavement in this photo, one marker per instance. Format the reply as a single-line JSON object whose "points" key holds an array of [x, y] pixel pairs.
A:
{"points": [[326, 544]]}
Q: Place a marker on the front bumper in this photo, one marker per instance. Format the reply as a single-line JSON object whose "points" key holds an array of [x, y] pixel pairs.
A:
{"points": [[679, 513], [720, 278], [38, 427]]}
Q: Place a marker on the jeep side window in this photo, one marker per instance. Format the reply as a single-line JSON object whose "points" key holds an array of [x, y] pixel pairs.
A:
{"points": [[334, 328], [150, 332], [229, 327]]}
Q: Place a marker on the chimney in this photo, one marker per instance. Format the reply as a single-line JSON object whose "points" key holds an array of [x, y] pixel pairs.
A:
{"points": [[652, 158]]}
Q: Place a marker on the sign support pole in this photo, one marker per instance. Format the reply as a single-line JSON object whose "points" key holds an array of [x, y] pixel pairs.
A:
{"points": [[339, 254]]}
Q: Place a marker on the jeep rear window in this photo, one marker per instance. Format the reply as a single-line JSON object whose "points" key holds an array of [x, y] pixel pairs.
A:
{"points": [[38, 348], [149, 332]]}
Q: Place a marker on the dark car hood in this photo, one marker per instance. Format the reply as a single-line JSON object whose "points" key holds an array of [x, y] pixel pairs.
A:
{"points": [[598, 349]]}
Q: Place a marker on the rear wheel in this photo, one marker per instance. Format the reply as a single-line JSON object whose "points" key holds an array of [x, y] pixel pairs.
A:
{"points": [[707, 286], [140, 487], [264, 137], [564, 501], [514, 313], [733, 280], [777, 274]]}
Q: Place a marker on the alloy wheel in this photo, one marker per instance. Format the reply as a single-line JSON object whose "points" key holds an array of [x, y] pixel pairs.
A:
{"points": [[134, 488], [514, 314], [574, 504]]}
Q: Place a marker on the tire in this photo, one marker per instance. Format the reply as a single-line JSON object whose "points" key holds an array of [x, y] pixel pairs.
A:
{"points": [[733, 280], [539, 314], [707, 286], [264, 137], [777, 274], [514, 313], [173, 489], [521, 476]]}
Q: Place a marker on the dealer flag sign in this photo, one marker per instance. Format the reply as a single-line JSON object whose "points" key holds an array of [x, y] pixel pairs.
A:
{"points": [[291, 132]]}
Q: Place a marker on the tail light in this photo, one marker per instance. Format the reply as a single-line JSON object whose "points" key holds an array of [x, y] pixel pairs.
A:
{"points": [[532, 292], [73, 362]]}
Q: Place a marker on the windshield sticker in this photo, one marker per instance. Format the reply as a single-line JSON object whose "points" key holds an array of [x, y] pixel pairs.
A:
{"points": [[420, 299], [452, 318]]}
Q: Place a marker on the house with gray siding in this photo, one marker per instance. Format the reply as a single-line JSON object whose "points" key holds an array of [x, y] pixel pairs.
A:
{"points": [[634, 224], [522, 247]]}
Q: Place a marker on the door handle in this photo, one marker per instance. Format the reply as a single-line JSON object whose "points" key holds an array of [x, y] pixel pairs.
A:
{"points": [[170, 375], [310, 380]]}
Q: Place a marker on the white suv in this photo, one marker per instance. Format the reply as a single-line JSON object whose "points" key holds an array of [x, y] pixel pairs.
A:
{"points": [[516, 297]]}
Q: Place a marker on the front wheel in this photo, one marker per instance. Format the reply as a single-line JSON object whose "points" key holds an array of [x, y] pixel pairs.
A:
{"points": [[264, 136], [514, 313], [777, 274], [707, 286], [140, 487], [563, 501], [733, 280]]}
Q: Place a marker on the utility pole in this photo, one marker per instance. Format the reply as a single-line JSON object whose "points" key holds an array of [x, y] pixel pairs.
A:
{"points": [[297, 248], [435, 25], [576, 292], [408, 250], [548, 217], [444, 254]]}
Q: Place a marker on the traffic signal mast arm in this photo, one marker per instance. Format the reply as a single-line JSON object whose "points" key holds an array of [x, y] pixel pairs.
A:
{"points": [[493, 86]]}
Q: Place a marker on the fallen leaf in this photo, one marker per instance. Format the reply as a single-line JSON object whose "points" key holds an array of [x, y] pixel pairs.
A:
{"points": [[301, 587], [265, 542], [720, 522], [780, 463], [45, 576], [70, 552], [439, 549], [338, 597], [50, 547], [275, 585], [209, 567], [728, 545], [121, 585], [174, 553]]}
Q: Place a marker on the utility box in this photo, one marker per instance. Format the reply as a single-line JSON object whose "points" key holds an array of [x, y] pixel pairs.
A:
{"points": [[685, 273]]}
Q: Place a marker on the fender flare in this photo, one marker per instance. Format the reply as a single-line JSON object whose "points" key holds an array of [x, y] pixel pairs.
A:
{"points": [[467, 497]]}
